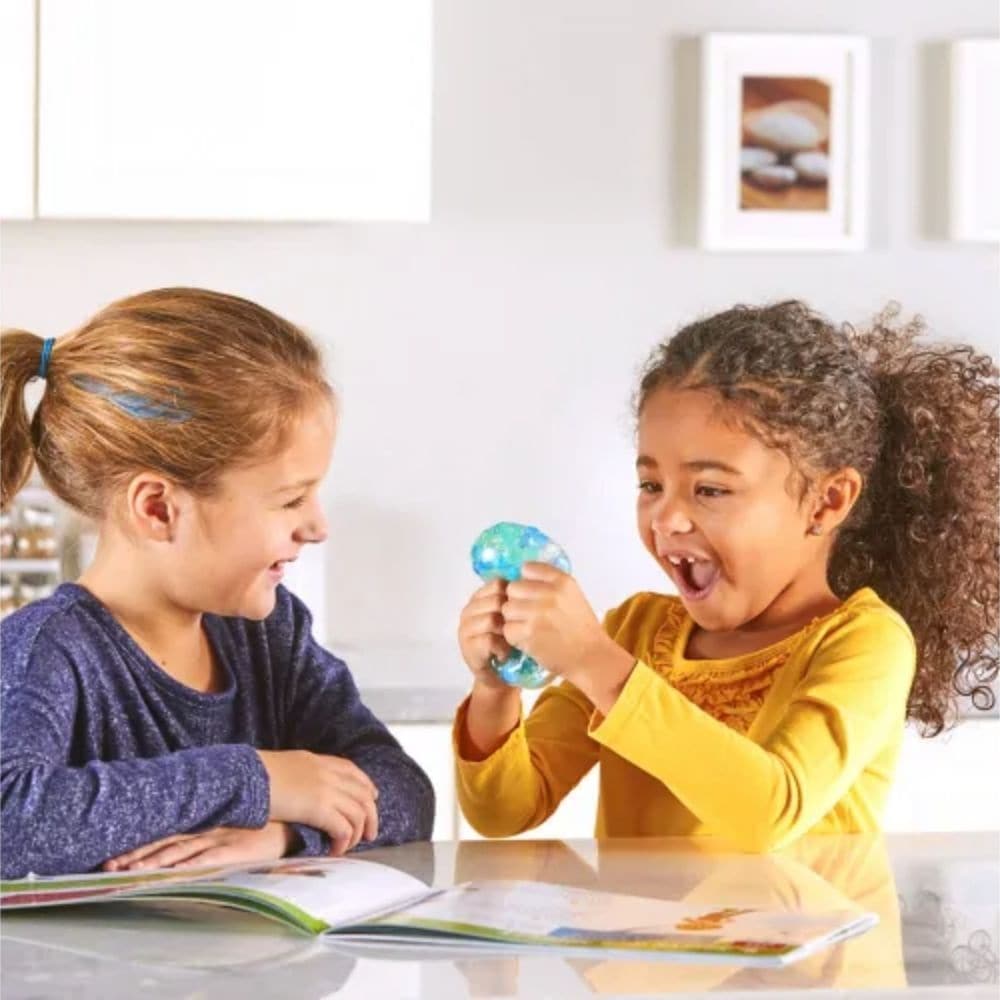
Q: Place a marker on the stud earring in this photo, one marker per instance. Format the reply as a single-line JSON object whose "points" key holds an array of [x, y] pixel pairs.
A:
{"points": [[815, 529]]}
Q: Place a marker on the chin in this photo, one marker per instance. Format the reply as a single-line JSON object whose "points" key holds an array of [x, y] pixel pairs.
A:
{"points": [[709, 618], [257, 607]]}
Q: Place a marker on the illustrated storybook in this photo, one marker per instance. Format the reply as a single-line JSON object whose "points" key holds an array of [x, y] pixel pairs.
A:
{"points": [[365, 901]]}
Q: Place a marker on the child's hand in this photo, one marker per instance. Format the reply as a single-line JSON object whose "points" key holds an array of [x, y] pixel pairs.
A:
{"points": [[480, 633], [224, 845], [329, 793], [547, 615]]}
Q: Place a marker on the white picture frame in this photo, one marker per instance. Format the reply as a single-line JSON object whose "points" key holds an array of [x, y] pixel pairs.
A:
{"points": [[832, 71], [975, 140]]}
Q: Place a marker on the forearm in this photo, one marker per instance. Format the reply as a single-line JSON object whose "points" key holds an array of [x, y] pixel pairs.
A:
{"points": [[520, 784], [58, 820], [491, 716], [760, 795]]}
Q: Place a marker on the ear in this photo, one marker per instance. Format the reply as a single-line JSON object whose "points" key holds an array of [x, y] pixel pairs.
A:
{"points": [[835, 496], [152, 507]]}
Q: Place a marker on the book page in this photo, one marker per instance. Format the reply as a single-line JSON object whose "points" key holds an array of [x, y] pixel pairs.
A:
{"points": [[541, 913], [317, 893], [311, 893]]}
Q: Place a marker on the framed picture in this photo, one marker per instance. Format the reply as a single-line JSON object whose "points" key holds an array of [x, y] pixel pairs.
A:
{"points": [[975, 142], [785, 124]]}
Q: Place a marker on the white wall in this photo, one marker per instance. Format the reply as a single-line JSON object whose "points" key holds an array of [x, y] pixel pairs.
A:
{"points": [[486, 360]]}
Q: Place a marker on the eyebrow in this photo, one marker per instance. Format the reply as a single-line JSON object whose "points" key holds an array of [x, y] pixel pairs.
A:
{"points": [[695, 465], [301, 484]]}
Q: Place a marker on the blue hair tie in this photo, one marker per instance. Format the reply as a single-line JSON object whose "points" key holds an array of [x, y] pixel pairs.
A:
{"points": [[43, 364]]}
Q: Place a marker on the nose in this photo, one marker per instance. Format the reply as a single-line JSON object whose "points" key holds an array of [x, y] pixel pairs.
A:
{"points": [[314, 528], [670, 518]]}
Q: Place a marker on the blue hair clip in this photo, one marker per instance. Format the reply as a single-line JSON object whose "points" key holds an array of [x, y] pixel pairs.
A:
{"points": [[43, 363], [131, 402]]}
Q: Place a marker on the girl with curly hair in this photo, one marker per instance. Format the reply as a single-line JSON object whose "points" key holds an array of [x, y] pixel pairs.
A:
{"points": [[824, 501]]}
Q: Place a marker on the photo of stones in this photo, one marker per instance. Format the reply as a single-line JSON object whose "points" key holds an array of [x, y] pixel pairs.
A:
{"points": [[785, 144]]}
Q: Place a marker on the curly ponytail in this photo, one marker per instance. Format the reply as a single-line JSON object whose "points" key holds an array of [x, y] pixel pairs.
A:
{"points": [[927, 538], [919, 422]]}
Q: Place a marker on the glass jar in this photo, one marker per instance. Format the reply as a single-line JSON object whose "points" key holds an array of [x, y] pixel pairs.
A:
{"points": [[34, 587], [37, 537], [7, 600], [6, 535]]}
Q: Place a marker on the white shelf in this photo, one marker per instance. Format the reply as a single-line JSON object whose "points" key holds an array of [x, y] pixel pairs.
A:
{"points": [[31, 565], [35, 494]]}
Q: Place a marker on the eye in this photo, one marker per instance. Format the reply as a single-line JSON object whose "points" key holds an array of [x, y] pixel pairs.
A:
{"points": [[711, 492], [648, 486], [297, 502]]}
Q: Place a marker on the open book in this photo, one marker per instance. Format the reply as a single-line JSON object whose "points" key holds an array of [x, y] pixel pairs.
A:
{"points": [[364, 901]]}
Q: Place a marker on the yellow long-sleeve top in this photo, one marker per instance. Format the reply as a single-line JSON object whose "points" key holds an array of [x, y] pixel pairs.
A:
{"points": [[799, 737]]}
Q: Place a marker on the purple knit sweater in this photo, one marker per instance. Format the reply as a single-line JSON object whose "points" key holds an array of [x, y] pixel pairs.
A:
{"points": [[102, 752]]}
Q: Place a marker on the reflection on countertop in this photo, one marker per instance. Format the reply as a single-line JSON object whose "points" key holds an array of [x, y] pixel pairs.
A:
{"points": [[936, 897]]}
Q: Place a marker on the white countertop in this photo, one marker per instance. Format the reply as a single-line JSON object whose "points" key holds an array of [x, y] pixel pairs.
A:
{"points": [[936, 896]]}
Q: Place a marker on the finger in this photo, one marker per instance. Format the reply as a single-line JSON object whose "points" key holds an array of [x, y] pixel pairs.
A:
{"points": [[524, 590], [540, 571], [482, 605], [519, 611], [228, 854], [173, 854], [357, 815], [516, 634], [339, 831], [491, 587], [491, 622], [125, 860], [370, 831]]}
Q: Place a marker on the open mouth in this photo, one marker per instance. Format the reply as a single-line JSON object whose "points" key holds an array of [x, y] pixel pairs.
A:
{"points": [[695, 577], [277, 569]]}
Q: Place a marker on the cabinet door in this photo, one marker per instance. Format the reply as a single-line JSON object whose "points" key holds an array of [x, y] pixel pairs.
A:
{"points": [[947, 783], [573, 820], [17, 109], [235, 109], [429, 744]]}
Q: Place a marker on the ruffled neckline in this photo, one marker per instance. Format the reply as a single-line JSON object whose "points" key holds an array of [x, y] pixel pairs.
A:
{"points": [[671, 639]]}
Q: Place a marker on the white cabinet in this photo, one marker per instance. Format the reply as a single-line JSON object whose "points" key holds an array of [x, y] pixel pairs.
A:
{"points": [[235, 109], [574, 819], [17, 109], [948, 783], [429, 744]]}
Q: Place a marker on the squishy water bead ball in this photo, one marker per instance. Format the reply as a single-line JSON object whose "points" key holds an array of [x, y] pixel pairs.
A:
{"points": [[498, 554]]}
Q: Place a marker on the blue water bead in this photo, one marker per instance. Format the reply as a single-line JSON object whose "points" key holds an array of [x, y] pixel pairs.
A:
{"points": [[501, 550], [498, 554]]}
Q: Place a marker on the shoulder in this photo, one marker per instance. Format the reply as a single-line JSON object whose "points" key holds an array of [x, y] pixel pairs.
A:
{"points": [[643, 614], [866, 631], [48, 635], [865, 616]]}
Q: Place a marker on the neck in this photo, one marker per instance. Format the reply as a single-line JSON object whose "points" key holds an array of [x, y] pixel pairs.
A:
{"points": [[132, 591], [806, 597]]}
